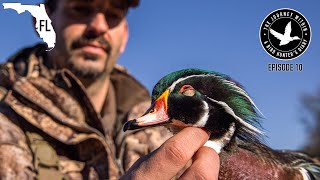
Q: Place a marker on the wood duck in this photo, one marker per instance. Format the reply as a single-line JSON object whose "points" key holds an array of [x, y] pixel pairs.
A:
{"points": [[211, 100]]}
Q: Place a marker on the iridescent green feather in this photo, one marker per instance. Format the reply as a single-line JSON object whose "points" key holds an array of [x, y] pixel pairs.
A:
{"points": [[169, 79], [238, 99]]}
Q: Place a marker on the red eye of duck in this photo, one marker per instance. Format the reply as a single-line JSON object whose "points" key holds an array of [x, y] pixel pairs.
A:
{"points": [[187, 90]]}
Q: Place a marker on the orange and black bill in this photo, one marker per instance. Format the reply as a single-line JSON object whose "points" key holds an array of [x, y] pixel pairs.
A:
{"points": [[156, 115]]}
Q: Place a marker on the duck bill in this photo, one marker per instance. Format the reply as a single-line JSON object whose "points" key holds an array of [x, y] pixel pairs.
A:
{"points": [[156, 115]]}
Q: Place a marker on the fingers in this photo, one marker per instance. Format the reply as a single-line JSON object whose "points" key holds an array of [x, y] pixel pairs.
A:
{"points": [[165, 162], [205, 165]]}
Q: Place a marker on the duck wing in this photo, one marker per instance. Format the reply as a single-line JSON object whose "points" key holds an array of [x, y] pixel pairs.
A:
{"points": [[309, 168], [276, 34], [287, 30], [262, 161]]}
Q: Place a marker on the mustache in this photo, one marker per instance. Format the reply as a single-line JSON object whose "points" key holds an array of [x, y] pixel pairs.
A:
{"points": [[83, 41]]}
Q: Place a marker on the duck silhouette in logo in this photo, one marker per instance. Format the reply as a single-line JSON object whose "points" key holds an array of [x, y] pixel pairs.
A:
{"points": [[284, 38]]}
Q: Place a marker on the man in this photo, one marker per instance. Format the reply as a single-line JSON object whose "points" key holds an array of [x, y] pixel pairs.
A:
{"points": [[62, 111]]}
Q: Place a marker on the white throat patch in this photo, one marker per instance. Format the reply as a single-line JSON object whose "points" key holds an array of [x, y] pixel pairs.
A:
{"points": [[218, 144], [204, 118]]}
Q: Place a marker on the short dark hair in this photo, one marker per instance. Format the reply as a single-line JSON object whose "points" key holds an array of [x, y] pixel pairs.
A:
{"points": [[52, 4]]}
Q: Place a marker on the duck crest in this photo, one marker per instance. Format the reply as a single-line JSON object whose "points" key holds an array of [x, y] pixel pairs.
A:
{"points": [[224, 91]]}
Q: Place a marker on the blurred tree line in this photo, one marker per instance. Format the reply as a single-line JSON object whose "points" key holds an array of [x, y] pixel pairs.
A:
{"points": [[311, 103]]}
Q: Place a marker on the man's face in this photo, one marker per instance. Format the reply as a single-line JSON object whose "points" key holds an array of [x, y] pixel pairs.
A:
{"points": [[90, 36]]}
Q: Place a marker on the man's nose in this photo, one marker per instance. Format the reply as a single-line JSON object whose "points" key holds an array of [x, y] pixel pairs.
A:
{"points": [[98, 24]]}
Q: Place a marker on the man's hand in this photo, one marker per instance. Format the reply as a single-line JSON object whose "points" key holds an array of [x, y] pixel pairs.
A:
{"points": [[173, 155]]}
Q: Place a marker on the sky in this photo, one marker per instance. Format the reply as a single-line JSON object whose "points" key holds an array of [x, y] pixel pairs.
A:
{"points": [[223, 36]]}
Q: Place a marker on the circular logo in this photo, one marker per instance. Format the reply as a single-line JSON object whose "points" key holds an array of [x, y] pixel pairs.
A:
{"points": [[285, 34]]}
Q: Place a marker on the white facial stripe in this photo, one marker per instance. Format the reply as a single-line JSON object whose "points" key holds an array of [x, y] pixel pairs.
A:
{"points": [[231, 112], [218, 144], [243, 93], [203, 120], [223, 104], [305, 174], [232, 84], [173, 85]]}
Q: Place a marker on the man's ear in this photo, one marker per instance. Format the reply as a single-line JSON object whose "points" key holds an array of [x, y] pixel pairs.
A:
{"points": [[125, 36]]}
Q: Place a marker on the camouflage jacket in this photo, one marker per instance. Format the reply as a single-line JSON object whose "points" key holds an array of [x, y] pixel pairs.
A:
{"points": [[49, 129]]}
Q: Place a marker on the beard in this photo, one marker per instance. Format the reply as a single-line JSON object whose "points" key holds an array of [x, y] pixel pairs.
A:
{"points": [[84, 71], [87, 65]]}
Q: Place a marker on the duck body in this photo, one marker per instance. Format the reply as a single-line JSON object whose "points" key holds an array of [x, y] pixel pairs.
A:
{"points": [[215, 102], [258, 162]]}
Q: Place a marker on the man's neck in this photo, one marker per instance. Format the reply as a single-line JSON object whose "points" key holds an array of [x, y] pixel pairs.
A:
{"points": [[97, 90]]}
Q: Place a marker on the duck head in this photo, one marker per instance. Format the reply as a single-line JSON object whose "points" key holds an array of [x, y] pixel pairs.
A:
{"points": [[204, 99]]}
